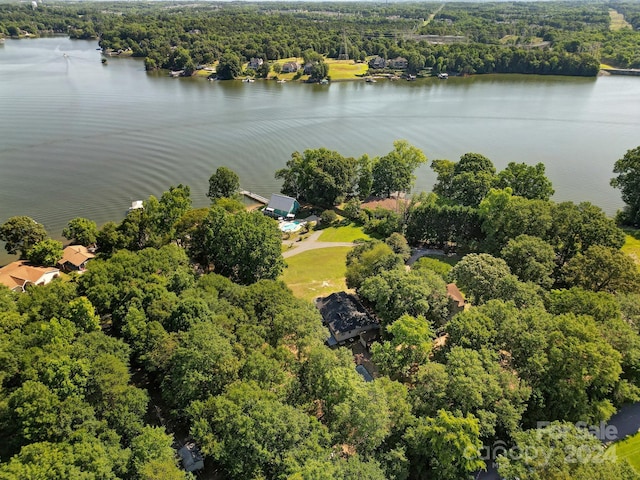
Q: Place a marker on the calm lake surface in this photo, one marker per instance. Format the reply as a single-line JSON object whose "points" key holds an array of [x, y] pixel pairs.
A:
{"points": [[79, 138]]}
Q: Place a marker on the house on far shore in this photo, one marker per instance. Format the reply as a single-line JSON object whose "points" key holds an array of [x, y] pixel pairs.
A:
{"points": [[282, 206], [75, 258], [377, 63], [18, 275], [457, 303], [290, 67], [255, 63], [346, 318], [399, 62]]}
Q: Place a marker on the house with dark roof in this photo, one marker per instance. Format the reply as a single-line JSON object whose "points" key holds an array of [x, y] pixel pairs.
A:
{"points": [[346, 318], [18, 275], [399, 63], [290, 67], [75, 258], [255, 63], [281, 206], [377, 63]]}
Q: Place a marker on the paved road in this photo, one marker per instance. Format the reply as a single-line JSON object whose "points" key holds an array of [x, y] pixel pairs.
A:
{"points": [[312, 243]]}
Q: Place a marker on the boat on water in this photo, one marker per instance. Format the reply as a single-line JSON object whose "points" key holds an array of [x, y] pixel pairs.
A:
{"points": [[443, 76], [411, 78], [248, 80], [370, 80], [281, 81]]}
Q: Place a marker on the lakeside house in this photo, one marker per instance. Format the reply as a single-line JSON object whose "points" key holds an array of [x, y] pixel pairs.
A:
{"points": [[346, 318], [399, 62], [290, 67], [282, 206], [75, 258], [18, 275], [377, 63], [255, 63]]}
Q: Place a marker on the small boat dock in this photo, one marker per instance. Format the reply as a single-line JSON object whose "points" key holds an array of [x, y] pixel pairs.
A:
{"points": [[255, 196]]}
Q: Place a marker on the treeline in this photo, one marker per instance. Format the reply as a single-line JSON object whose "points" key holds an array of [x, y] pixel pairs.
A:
{"points": [[498, 38]]}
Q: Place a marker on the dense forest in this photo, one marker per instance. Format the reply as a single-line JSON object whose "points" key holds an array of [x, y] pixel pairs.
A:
{"points": [[181, 328], [460, 38]]}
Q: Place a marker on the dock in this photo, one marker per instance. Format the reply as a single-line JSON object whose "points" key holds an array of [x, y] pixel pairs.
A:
{"points": [[255, 196]]}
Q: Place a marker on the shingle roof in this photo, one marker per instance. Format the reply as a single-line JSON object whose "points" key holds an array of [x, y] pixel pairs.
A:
{"points": [[17, 274], [343, 313], [75, 255]]}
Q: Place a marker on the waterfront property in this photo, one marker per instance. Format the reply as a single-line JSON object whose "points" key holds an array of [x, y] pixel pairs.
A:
{"points": [[281, 206], [18, 275], [75, 258]]}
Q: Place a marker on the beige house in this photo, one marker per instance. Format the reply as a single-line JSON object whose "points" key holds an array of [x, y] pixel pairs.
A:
{"points": [[18, 275], [75, 258]]}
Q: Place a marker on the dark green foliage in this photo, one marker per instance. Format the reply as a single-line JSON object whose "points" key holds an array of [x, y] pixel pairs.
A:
{"points": [[229, 67], [526, 181], [321, 176], [224, 183], [45, 253], [394, 172], [20, 234], [81, 231], [628, 181], [244, 247]]}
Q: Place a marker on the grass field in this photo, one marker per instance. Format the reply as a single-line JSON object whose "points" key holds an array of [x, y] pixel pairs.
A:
{"points": [[346, 69], [348, 233], [629, 449], [632, 244], [617, 21], [316, 272]]}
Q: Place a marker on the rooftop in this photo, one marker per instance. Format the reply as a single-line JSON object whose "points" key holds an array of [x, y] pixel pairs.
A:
{"points": [[343, 313], [18, 274], [75, 255]]}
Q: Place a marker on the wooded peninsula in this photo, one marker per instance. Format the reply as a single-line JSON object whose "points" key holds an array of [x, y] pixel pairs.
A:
{"points": [[235, 39], [498, 322]]}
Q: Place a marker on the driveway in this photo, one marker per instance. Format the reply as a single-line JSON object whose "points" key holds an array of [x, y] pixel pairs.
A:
{"points": [[312, 243]]}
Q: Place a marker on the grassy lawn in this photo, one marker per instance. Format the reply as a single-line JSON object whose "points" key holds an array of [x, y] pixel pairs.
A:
{"points": [[316, 272], [629, 449], [346, 69], [347, 233], [632, 244]]}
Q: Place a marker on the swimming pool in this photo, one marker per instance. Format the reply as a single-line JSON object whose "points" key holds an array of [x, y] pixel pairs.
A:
{"points": [[290, 227]]}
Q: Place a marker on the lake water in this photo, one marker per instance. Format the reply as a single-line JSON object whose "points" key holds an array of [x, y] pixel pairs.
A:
{"points": [[79, 138]]}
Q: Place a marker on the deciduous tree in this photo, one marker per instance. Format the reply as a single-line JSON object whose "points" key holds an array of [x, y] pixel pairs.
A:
{"points": [[224, 183], [20, 234]]}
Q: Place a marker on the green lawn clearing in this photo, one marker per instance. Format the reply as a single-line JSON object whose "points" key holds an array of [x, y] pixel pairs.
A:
{"points": [[316, 272], [632, 244], [629, 450], [346, 69], [347, 233]]}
